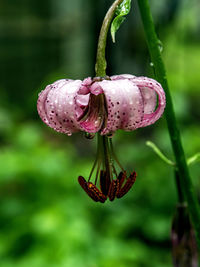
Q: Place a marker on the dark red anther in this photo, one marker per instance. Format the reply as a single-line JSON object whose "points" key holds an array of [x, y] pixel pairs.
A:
{"points": [[121, 177], [110, 189], [127, 186], [82, 182], [89, 192], [104, 182], [114, 187], [96, 193]]}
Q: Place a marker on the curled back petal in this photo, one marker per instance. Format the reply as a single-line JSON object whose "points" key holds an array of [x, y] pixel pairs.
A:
{"points": [[150, 99], [84, 88], [90, 108], [41, 104], [50, 105], [148, 88], [43, 101], [124, 105], [94, 114], [56, 106], [82, 103]]}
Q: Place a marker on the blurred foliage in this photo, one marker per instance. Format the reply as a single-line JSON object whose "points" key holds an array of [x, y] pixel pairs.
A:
{"points": [[45, 217]]}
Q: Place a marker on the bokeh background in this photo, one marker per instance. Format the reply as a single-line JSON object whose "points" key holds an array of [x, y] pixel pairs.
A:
{"points": [[46, 220]]}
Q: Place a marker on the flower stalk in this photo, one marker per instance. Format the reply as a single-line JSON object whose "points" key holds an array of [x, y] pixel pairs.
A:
{"points": [[100, 69], [185, 181], [100, 66]]}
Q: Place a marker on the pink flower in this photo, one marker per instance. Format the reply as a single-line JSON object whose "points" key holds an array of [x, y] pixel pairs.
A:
{"points": [[101, 105]]}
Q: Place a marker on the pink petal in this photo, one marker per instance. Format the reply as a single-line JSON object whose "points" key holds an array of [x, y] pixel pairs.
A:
{"points": [[124, 103], [96, 89], [41, 104], [122, 76], [82, 102], [149, 96], [56, 106], [91, 125], [146, 85], [66, 106], [93, 115], [51, 112], [84, 88], [150, 99], [89, 111], [42, 101], [87, 81]]}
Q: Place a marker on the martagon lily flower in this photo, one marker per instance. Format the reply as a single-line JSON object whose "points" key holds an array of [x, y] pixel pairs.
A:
{"points": [[102, 105]]}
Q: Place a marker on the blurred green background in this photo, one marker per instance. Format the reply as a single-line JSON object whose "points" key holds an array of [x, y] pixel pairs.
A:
{"points": [[46, 220]]}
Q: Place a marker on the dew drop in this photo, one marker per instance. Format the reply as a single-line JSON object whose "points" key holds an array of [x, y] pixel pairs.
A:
{"points": [[89, 135]]}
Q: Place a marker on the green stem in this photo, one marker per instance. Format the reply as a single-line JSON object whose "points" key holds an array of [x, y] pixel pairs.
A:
{"points": [[100, 66], [186, 183], [181, 199]]}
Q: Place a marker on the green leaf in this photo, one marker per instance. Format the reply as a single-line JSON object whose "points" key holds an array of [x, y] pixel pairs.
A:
{"points": [[122, 10], [193, 159], [160, 154]]}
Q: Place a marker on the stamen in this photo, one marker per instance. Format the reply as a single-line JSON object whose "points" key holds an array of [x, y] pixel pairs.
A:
{"points": [[113, 167], [82, 182], [129, 183], [121, 177], [104, 182], [93, 167], [105, 168], [114, 187], [96, 193], [98, 169], [84, 185], [91, 190], [114, 155]]}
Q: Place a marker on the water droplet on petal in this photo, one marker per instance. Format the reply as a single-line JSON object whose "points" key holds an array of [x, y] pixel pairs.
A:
{"points": [[89, 135]]}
